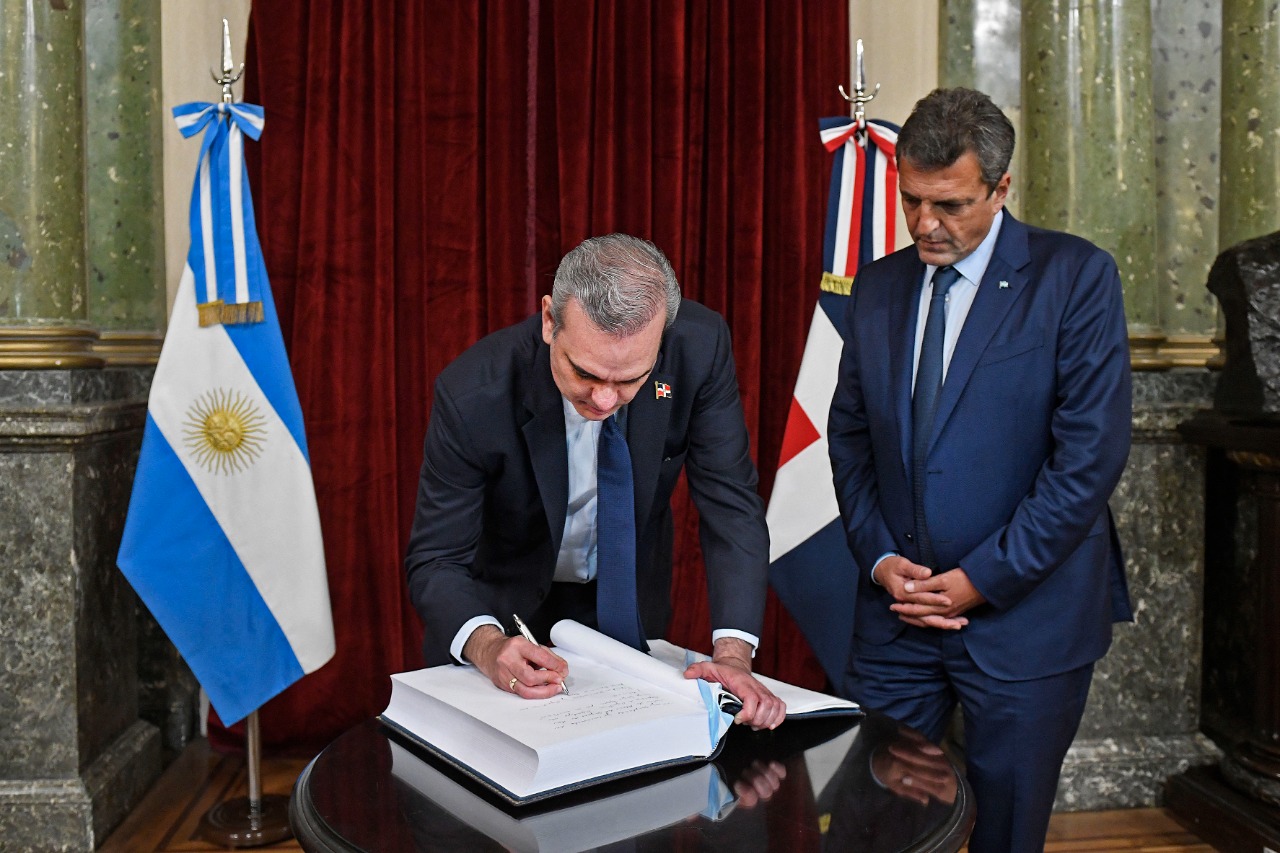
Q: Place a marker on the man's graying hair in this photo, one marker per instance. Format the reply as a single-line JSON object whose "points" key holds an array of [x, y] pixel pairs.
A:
{"points": [[621, 283], [948, 122]]}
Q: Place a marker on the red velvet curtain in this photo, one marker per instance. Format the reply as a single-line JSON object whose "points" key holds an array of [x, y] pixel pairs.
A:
{"points": [[423, 169]]}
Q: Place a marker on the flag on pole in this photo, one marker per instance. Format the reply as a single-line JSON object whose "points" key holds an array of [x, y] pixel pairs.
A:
{"points": [[810, 566], [222, 540]]}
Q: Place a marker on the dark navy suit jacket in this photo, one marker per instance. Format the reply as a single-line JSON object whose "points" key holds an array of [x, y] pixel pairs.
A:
{"points": [[493, 491], [1030, 438]]}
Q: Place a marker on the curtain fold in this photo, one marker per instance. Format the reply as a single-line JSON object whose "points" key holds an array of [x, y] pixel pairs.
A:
{"points": [[424, 167]]}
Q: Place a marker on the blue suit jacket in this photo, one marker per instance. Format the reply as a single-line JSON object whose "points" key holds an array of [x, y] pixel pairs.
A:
{"points": [[1030, 438], [494, 487]]}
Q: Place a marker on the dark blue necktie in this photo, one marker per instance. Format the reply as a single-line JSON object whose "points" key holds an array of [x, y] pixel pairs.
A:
{"points": [[616, 611], [924, 402]]}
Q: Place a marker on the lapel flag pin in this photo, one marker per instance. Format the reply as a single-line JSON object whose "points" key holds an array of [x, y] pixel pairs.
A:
{"points": [[1004, 285], [661, 390]]}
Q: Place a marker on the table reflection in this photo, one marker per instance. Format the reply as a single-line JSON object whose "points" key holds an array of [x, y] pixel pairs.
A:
{"points": [[812, 785]]}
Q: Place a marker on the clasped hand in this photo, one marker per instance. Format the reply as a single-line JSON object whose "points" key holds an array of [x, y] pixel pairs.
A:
{"points": [[924, 599], [915, 769]]}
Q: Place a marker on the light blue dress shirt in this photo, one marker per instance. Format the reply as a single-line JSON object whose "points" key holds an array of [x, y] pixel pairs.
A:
{"points": [[972, 267]]}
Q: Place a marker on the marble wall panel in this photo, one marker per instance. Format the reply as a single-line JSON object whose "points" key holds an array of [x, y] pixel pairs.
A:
{"points": [[38, 715], [1142, 721], [105, 620], [74, 755]]}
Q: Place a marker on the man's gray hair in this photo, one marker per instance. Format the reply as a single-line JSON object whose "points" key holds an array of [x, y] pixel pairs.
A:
{"points": [[621, 283], [946, 123]]}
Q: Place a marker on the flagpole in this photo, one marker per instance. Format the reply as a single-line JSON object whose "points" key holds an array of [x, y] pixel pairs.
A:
{"points": [[255, 820], [251, 821]]}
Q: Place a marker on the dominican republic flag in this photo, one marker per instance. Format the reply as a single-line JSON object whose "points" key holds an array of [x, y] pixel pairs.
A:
{"points": [[222, 541], [810, 564]]}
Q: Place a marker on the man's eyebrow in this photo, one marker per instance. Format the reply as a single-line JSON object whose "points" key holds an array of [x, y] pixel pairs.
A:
{"points": [[588, 375], [938, 201]]}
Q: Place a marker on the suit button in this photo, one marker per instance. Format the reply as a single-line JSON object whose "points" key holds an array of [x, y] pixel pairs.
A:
{"points": [[909, 537]]}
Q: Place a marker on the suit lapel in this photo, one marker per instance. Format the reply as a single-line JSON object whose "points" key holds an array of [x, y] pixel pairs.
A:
{"points": [[647, 418], [544, 437], [902, 329], [1002, 285]]}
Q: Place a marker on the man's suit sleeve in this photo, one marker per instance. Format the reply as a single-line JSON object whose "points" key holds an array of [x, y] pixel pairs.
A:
{"points": [[446, 529], [1090, 428], [723, 482], [849, 444]]}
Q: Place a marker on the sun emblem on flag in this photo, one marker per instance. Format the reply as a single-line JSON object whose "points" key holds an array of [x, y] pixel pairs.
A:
{"points": [[224, 431]]}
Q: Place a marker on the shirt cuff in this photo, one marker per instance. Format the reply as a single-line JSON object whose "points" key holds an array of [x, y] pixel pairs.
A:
{"points": [[886, 555], [750, 639], [465, 632]]}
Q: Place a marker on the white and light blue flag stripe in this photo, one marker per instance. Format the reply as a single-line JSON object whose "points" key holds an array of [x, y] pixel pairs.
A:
{"points": [[223, 538], [225, 255]]}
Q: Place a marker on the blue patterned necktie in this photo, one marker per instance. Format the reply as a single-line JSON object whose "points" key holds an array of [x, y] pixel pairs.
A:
{"points": [[617, 614], [924, 402]]}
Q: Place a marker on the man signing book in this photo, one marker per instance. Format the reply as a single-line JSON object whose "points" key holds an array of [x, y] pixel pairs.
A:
{"points": [[551, 455]]}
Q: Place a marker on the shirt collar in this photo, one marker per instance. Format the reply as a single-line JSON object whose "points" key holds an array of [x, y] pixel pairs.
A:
{"points": [[974, 265], [572, 419]]}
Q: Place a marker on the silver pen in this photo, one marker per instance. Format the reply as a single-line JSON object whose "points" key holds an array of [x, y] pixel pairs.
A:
{"points": [[528, 635]]}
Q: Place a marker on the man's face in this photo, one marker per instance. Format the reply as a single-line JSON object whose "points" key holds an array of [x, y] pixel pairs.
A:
{"points": [[597, 372], [949, 211]]}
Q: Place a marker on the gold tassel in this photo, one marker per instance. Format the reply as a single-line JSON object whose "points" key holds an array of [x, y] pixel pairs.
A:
{"points": [[219, 312], [841, 285], [211, 313]]}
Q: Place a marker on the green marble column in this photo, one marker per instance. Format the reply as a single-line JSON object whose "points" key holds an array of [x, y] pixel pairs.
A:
{"points": [[979, 47], [123, 162], [42, 281], [1088, 140], [1186, 70], [1250, 120]]}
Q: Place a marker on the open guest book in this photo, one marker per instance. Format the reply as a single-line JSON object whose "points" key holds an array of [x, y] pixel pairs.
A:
{"points": [[626, 712]]}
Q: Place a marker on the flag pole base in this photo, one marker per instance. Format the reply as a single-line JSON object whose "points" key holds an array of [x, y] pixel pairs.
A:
{"points": [[238, 823]]}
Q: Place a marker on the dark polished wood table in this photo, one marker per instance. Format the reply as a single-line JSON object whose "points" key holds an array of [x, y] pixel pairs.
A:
{"points": [[832, 784]]}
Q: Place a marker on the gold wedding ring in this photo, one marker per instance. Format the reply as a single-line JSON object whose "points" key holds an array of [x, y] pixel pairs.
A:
{"points": [[512, 685]]}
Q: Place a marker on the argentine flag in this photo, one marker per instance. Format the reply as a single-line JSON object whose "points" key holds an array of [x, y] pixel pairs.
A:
{"points": [[222, 540]]}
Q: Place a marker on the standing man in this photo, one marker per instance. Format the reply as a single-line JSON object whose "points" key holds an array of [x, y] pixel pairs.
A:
{"points": [[553, 448], [980, 423]]}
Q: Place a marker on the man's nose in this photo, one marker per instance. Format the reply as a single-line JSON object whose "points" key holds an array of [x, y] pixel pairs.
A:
{"points": [[928, 222], [604, 397]]}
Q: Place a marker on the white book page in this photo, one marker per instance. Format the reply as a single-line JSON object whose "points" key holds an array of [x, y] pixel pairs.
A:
{"points": [[600, 699], [578, 639], [799, 700]]}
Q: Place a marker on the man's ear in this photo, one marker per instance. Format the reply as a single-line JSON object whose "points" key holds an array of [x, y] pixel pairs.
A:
{"points": [[548, 322], [1001, 192]]}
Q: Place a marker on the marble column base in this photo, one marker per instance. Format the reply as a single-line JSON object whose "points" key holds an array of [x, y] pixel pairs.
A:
{"points": [[1142, 723], [77, 813], [1110, 773], [75, 753]]}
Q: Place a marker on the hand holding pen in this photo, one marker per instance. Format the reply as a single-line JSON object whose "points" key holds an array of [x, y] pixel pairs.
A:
{"points": [[515, 664], [528, 635]]}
